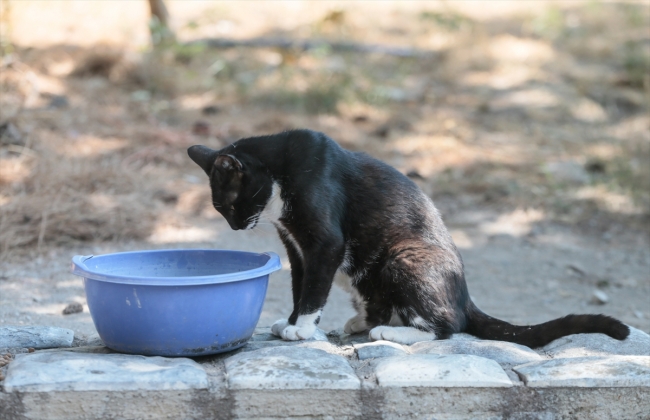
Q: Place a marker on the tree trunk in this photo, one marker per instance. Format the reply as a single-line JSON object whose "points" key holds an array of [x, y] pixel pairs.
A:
{"points": [[159, 10], [161, 34]]}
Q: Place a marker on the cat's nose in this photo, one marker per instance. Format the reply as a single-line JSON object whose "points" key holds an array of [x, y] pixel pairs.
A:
{"points": [[233, 225]]}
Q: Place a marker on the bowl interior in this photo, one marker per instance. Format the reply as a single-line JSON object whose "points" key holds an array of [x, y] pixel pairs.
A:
{"points": [[175, 263]]}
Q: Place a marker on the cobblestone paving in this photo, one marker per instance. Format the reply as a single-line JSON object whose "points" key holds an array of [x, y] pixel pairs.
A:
{"points": [[332, 375]]}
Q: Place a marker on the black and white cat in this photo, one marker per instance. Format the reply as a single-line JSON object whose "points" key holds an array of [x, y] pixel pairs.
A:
{"points": [[340, 210]]}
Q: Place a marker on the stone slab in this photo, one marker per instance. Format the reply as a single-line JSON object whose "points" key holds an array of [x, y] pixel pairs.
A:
{"points": [[379, 403], [289, 367], [581, 345], [515, 403], [37, 337], [123, 405], [304, 404], [83, 349], [261, 340], [345, 351], [87, 340], [433, 370], [499, 351], [591, 371], [380, 348], [464, 336], [72, 371]]}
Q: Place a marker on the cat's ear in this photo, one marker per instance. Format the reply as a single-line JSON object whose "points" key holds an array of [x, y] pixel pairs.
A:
{"points": [[203, 156], [228, 163]]}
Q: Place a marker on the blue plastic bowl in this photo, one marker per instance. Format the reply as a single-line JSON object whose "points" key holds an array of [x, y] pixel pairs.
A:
{"points": [[180, 302]]}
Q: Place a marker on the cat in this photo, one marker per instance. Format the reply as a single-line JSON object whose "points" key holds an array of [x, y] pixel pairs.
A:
{"points": [[337, 210]]}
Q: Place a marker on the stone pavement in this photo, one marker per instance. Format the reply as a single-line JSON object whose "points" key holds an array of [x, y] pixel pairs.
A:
{"points": [[50, 374]]}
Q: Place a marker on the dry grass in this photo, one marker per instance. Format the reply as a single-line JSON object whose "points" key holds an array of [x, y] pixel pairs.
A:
{"points": [[57, 204], [508, 95], [60, 186]]}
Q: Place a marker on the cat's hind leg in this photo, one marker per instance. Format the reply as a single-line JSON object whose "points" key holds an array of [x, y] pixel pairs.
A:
{"points": [[357, 323], [388, 322], [422, 295], [404, 327]]}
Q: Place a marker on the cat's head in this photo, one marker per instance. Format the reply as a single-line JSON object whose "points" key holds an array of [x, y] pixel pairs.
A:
{"points": [[239, 183]]}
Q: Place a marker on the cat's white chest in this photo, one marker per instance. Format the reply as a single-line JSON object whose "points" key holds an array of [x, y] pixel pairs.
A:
{"points": [[274, 207], [273, 211]]}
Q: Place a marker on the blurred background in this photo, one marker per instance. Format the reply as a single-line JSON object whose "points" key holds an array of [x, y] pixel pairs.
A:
{"points": [[526, 122]]}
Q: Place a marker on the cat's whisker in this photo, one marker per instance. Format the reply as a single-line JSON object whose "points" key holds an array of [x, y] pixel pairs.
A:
{"points": [[258, 191]]}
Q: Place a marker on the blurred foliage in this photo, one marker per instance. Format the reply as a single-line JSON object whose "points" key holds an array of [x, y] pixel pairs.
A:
{"points": [[319, 99], [6, 47], [631, 173], [161, 35], [184, 53], [449, 20], [550, 24], [636, 62]]}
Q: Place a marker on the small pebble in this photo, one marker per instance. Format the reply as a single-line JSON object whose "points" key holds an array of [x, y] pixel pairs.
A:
{"points": [[4, 360], [9, 134], [210, 110], [639, 314], [600, 297], [167, 197], [576, 269], [73, 308], [382, 131], [58, 101], [413, 174]]}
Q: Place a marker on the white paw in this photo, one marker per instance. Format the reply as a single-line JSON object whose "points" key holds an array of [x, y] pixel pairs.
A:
{"points": [[278, 326], [305, 327], [294, 332], [402, 335], [355, 324]]}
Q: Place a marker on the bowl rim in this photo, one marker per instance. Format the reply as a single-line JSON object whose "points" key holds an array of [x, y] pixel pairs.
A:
{"points": [[80, 268]]}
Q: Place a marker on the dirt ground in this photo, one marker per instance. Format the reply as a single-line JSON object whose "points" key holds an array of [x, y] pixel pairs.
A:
{"points": [[528, 126]]}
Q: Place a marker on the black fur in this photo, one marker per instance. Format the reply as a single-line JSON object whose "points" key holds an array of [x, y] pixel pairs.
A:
{"points": [[348, 211]]}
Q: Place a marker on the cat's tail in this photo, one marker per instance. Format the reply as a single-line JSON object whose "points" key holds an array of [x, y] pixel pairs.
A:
{"points": [[484, 326]]}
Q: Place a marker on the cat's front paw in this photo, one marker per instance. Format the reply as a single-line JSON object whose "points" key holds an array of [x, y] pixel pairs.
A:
{"points": [[279, 326], [356, 324], [294, 332], [304, 329]]}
